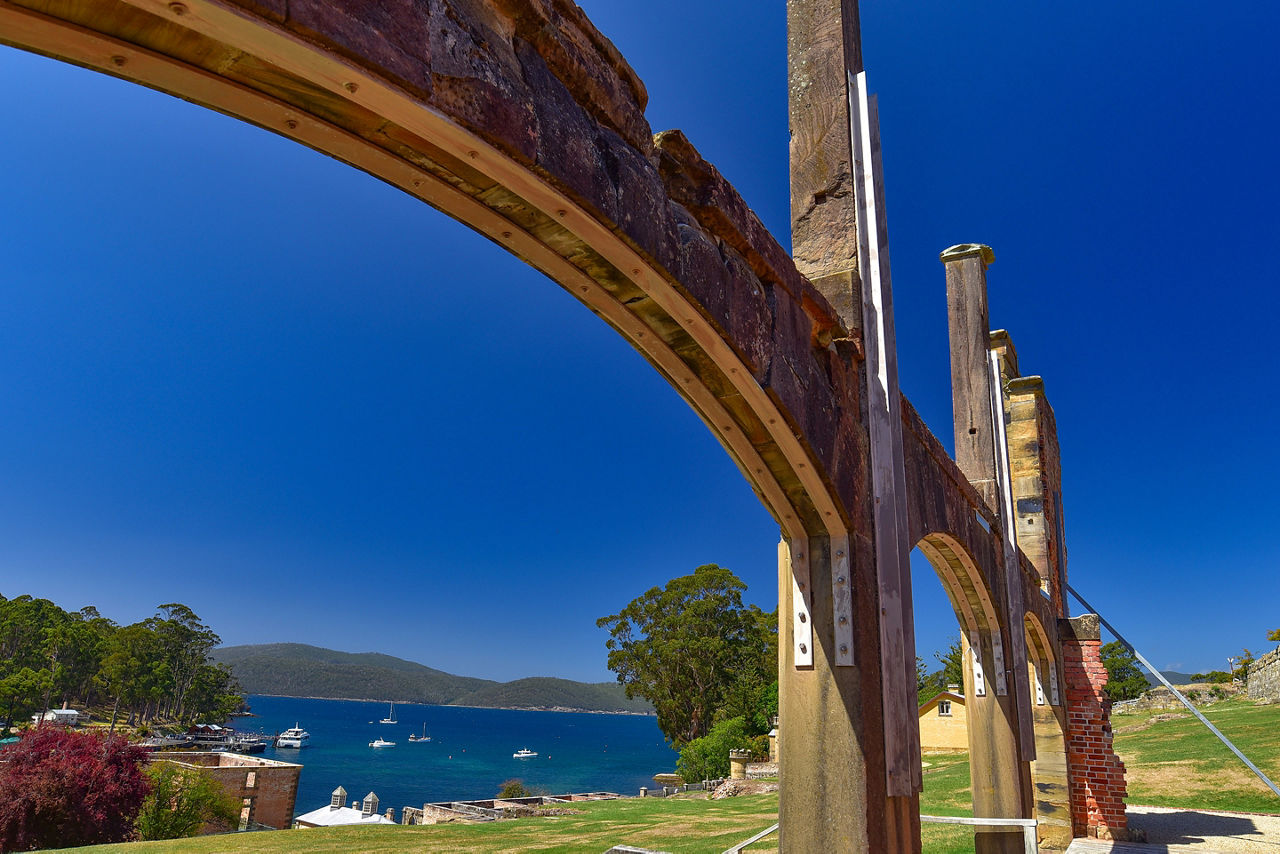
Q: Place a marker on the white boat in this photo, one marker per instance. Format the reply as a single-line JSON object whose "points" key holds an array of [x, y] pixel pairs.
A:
{"points": [[524, 753], [391, 715], [381, 742], [421, 738], [296, 738]]}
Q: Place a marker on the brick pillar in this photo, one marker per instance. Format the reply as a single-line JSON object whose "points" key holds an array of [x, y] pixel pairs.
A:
{"points": [[1096, 773]]}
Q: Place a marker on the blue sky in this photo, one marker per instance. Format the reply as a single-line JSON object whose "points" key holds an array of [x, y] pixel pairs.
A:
{"points": [[242, 376]]}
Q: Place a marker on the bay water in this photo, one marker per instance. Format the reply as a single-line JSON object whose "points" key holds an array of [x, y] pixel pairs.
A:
{"points": [[469, 755]]}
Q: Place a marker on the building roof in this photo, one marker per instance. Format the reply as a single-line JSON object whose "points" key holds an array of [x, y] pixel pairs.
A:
{"points": [[941, 695], [328, 816]]}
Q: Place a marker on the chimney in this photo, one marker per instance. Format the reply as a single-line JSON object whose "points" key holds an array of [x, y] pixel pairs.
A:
{"points": [[953, 688], [391, 815], [370, 805], [339, 798]]}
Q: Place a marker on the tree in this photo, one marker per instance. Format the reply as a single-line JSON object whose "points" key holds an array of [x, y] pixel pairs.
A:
{"points": [[1273, 635], [952, 665], [683, 646], [60, 789], [1124, 680], [513, 788], [707, 758], [1240, 672], [183, 802]]}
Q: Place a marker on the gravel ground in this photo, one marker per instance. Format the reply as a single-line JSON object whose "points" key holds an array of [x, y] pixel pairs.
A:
{"points": [[1207, 832]]}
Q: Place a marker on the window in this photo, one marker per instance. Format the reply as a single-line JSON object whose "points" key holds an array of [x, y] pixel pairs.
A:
{"points": [[251, 779], [944, 708]]}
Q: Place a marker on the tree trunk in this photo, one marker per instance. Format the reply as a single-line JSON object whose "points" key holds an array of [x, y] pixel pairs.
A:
{"points": [[115, 711]]}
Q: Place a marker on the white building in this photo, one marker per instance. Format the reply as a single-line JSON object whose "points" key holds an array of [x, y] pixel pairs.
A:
{"points": [[337, 814], [60, 717]]}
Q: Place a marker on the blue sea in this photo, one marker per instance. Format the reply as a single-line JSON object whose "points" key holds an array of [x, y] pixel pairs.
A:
{"points": [[469, 755]]}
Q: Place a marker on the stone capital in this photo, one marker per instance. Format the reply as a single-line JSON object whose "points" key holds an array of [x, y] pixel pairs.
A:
{"points": [[968, 250]]}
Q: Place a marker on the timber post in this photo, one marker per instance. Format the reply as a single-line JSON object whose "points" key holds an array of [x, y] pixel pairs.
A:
{"points": [[1000, 772], [851, 767]]}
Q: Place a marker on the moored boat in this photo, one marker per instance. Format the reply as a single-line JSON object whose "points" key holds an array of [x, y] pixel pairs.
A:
{"points": [[294, 738], [381, 742], [524, 753], [421, 738], [391, 715]]}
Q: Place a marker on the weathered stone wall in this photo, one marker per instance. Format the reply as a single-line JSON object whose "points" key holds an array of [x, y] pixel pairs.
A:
{"points": [[271, 786], [1096, 772], [1264, 677]]}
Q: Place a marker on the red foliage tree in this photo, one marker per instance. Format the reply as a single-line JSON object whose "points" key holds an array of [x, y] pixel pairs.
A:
{"points": [[60, 788]]}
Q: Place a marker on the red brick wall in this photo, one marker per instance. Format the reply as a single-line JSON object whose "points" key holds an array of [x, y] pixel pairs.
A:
{"points": [[1096, 774]]}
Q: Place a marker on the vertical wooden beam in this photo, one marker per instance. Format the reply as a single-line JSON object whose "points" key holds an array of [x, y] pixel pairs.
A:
{"points": [[888, 475], [1015, 606], [969, 324], [834, 766]]}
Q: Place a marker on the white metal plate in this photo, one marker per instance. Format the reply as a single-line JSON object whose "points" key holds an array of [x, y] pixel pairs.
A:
{"points": [[842, 600], [796, 553]]}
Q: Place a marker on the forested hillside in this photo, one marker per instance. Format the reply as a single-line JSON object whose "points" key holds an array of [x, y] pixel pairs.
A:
{"points": [[299, 670]]}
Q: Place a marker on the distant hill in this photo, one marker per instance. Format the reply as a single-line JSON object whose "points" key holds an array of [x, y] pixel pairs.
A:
{"points": [[299, 670], [1174, 677]]}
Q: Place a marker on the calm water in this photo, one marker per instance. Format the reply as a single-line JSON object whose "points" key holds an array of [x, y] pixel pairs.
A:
{"points": [[469, 755]]}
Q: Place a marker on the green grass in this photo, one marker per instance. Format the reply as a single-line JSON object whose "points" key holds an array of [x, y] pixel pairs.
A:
{"points": [[682, 826], [1179, 763], [1175, 763]]}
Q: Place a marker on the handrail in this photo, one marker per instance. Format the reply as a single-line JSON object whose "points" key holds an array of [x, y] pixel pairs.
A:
{"points": [[1028, 825], [737, 849]]}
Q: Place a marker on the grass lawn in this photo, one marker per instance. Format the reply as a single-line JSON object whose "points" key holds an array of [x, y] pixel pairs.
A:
{"points": [[672, 824], [1179, 763], [1175, 763]]}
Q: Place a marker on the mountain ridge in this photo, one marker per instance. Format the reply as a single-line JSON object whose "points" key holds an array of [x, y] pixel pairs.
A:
{"points": [[303, 670]]}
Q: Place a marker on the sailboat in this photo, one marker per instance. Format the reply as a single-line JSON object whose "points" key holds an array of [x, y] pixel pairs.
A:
{"points": [[423, 737], [391, 715]]}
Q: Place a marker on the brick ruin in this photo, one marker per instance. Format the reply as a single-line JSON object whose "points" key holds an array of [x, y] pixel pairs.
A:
{"points": [[522, 121], [267, 788]]}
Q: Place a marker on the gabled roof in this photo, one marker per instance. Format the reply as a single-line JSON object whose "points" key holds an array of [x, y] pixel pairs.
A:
{"points": [[327, 816], [942, 695]]}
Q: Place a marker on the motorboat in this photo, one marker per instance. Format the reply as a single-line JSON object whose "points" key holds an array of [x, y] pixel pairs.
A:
{"points": [[524, 753], [391, 715], [420, 738], [381, 742], [294, 738]]}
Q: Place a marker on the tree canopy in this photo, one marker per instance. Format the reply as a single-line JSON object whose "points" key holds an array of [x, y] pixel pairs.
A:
{"points": [[1124, 680], [158, 667], [692, 648], [60, 789]]}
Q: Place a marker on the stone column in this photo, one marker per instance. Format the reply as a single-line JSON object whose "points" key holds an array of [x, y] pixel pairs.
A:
{"points": [[738, 764]]}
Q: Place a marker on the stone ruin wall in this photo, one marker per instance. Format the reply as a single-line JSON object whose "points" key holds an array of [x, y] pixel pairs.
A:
{"points": [[1264, 677]]}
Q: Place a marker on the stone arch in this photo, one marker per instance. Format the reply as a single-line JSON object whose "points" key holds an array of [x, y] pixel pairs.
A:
{"points": [[972, 602], [580, 195]]}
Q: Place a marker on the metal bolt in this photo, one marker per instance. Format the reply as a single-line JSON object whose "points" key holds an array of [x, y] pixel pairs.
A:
{"points": [[506, 234], [844, 621], [291, 124], [803, 648], [351, 86], [178, 8], [118, 60], [562, 213], [473, 154], [839, 553], [844, 648], [840, 580], [803, 618]]}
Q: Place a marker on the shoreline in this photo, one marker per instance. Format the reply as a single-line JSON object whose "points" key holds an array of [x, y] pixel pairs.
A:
{"points": [[575, 711]]}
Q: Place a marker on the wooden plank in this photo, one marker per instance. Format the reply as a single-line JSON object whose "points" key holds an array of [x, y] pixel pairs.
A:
{"points": [[1016, 606], [888, 477]]}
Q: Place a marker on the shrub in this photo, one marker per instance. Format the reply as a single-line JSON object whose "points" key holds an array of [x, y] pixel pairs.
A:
{"points": [[60, 789], [182, 803], [760, 748], [707, 758], [513, 788]]}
